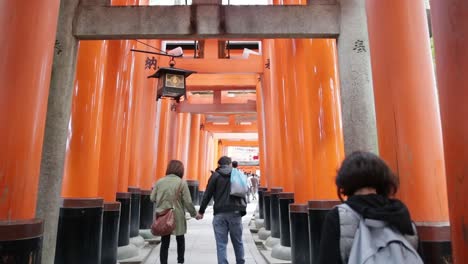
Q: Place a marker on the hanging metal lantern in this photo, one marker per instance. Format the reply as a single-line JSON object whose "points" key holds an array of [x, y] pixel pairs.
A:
{"points": [[171, 83]]}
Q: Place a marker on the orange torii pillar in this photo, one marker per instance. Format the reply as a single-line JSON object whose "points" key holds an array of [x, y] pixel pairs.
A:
{"points": [[207, 160], [321, 122], [123, 194], [215, 155], [285, 93], [183, 137], [82, 210], [202, 157], [282, 73], [322, 129], [263, 153], [450, 27], [273, 109], [272, 103], [408, 121], [261, 134], [138, 136], [193, 157], [112, 121], [27, 37], [149, 146], [167, 120]]}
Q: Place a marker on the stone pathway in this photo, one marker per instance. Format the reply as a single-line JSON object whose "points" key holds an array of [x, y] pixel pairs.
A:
{"points": [[200, 245]]}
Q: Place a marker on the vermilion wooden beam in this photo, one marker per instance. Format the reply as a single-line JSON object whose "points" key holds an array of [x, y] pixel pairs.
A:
{"points": [[218, 88], [239, 143], [232, 80], [194, 99], [231, 129], [217, 108], [254, 64]]}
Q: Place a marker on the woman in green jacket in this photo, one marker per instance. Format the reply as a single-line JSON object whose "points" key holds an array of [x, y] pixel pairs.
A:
{"points": [[164, 195]]}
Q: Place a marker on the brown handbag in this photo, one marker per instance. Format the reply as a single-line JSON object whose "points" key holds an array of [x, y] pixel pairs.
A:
{"points": [[164, 222]]}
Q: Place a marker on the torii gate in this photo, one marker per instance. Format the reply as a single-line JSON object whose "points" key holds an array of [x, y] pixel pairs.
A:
{"points": [[97, 20]]}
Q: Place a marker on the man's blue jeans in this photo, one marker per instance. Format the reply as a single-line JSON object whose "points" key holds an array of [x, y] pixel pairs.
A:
{"points": [[224, 223]]}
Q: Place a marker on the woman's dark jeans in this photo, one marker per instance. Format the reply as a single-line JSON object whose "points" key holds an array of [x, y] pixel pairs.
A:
{"points": [[164, 250]]}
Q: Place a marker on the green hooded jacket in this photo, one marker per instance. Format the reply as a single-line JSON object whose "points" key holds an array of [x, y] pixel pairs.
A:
{"points": [[163, 195]]}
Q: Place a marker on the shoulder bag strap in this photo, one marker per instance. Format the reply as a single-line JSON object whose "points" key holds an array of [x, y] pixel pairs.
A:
{"points": [[179, 190]]}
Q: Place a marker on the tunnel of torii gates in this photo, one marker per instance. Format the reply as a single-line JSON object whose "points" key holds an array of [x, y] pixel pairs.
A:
{"points": [[83, 136]]}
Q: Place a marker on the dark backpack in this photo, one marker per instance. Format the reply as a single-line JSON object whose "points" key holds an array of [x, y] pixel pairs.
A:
{"points": [[375, 242]]}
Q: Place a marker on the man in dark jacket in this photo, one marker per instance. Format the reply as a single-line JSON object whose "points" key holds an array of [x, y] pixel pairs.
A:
{"points": [[228, 211]]}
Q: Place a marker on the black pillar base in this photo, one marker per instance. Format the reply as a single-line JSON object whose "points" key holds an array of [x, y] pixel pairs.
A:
{"points": [[299, 226], [146, 210], [274, 212], [135, 211], [285, 199], [317, 211], [21, 241], [124, 227], [110, 232], [261, 211], [79, 234], [193, 188], [435, 242], [266, 210]]}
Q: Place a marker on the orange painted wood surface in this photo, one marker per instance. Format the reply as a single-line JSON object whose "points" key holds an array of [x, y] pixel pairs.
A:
{"points": [[167, 140], [203, 172], [322, 120], [261, 134], [239, 143], [26, 48], [253, 64], [450, 27], [193, 162], [287, 116], [81, 173], [150, 135], [273, 116], [139, 115], [112, 122], [125, 146], [233, 81], [407, 111], [183, 137]]}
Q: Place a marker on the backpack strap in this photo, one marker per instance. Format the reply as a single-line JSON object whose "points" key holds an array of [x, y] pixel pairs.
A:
{"points": [[349, 223]]}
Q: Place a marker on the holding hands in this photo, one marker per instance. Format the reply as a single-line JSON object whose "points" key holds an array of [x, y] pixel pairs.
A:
{"points": [[199, 216]]}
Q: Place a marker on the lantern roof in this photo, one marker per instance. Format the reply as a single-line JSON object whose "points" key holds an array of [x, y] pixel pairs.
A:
{"points": [[164, 70]]}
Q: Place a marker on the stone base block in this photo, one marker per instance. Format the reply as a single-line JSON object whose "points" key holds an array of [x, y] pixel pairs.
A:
{"points": [[138, 241], [259, 223], [146, 234], [271, 242], [128, 251], [281, 252], [263, 234], [271, 260], [141, 257]]}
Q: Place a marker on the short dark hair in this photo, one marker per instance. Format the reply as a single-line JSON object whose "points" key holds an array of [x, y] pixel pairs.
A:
{"points": [[175, 167], [235, 164], [364, 169], [224, 160]]}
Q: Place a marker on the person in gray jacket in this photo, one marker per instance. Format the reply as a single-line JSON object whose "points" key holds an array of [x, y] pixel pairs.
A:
{"points": [[370, 186], [228, 211]]}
